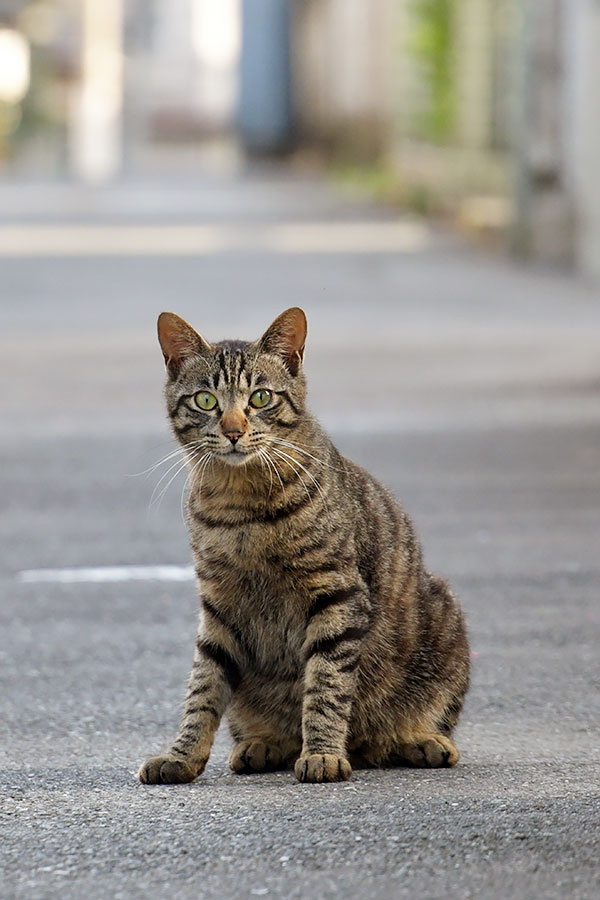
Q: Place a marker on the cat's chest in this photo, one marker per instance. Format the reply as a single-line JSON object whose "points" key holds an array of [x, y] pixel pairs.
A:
{"points": [[259, 600], [249, 534], [247, 550], [273, 637], [268, 621]]}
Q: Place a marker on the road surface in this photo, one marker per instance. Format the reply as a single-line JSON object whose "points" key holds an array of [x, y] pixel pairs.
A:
{"points": [[468, 384]]}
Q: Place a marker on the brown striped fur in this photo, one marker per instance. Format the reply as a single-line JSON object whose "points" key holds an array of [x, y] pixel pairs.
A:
{"points": [[322, 635]]}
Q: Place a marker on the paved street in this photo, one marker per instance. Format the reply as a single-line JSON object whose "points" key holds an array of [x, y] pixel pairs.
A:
{"points": [[480, 384]]}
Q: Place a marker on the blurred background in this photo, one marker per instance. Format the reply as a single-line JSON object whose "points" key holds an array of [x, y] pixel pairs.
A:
{"points": [[483, 112]]}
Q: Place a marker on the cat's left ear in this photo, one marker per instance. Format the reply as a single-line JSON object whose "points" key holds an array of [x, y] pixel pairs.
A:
{"points": [[178, 341], [286, 338]]}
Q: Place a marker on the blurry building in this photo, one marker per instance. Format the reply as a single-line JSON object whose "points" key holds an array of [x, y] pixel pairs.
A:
{"points": [[483, 111], [345, 64], [182, 65], [423, 85], [110, 79]]}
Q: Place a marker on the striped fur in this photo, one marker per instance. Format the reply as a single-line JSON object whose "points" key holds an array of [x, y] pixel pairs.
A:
{"points": [[322, 635]]}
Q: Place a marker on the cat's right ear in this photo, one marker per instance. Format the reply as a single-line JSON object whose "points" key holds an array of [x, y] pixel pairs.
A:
{"points": [[178, 341], [286, 337]]}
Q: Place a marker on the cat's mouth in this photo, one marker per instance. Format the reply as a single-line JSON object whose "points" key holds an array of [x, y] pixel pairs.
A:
{"points": [[237, 456]]}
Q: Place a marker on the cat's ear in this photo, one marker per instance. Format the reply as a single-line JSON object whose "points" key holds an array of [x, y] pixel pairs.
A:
{"points": [[178, 341], [286, 338]]}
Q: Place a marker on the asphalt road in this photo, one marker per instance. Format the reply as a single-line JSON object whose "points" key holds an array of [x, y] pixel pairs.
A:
{"points": [[471, 386]]}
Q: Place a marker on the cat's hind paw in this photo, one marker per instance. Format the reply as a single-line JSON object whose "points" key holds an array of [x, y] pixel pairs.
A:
{"points": [[166, 770], [255, 756], [431, 751], [320, 767]]}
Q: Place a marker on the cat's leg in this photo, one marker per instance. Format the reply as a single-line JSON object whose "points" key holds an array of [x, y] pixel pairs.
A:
{"points": [[216, 672], [427, 751], [426, 740], [338, 623]]}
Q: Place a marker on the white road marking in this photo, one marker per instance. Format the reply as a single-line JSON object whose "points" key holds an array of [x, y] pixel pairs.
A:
{"points": [[102, 574], [399, 236]]}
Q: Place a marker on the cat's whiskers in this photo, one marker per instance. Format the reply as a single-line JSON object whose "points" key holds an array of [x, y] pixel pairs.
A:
{"points": [[261, 459], [295, 471], [178, 451], [272, 468], [287, 458], [190, 480], [276, 470], [161, 496], [190, 456], [293, 446], [209, 459], [180, 465]]}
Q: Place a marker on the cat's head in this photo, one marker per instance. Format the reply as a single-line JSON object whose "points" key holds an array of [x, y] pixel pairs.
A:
{"points": [[232, 398]]}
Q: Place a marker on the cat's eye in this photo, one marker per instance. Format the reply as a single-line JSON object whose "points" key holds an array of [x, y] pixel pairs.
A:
{"points": [[205, 401], [260, 398]]}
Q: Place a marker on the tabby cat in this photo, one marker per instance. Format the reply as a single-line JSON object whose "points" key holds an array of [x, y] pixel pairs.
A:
{"points": [[322, 635]]}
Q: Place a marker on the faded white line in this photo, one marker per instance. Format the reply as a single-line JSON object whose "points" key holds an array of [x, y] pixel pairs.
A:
{"points": [[103, 574], [400, 236]]}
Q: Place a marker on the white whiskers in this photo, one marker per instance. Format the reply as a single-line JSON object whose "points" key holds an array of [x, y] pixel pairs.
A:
{"points": [[189, 454], [264, 455], [198, 464], [292, 463], [292, 445]]}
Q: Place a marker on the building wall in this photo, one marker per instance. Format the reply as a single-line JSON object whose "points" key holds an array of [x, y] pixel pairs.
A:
{"points": [[457, 160], [582, 127], [363, 91], [341, 63], [183, 63], [501, 131]]}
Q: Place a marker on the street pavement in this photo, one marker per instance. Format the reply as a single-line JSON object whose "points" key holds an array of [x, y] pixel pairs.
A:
{"points": [[467, 383]]}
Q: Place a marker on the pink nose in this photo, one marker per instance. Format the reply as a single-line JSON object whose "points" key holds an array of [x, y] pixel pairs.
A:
{"points": [[233, 436], [233, 426]]}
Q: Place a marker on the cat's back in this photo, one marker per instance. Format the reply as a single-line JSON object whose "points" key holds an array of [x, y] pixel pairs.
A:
{"points": [[388, 551]]}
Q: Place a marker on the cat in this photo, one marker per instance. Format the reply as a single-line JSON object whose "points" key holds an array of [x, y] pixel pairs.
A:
{"points": [[322, 636]]}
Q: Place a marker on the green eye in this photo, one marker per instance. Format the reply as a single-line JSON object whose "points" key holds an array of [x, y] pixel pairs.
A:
{"points": [[260, 398], [205, 401]]}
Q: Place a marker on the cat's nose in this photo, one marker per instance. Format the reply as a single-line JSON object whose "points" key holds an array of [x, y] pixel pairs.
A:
{"points": [[233, 426]]}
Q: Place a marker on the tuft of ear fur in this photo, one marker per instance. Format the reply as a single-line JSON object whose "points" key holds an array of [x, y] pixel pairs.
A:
{"points": [[286, 338], [178, 341]]}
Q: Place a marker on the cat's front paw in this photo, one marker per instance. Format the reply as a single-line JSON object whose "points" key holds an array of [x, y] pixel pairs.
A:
{"points": [[319, 767], [167, 770]]}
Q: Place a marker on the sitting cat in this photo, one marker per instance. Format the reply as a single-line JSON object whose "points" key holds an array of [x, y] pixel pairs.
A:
{"points": [[323, 637]]}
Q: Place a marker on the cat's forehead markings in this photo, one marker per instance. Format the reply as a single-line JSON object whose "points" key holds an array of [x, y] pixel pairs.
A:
{"points": [[232, 366], [223, 366], [193, 370], [241, 360]]}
